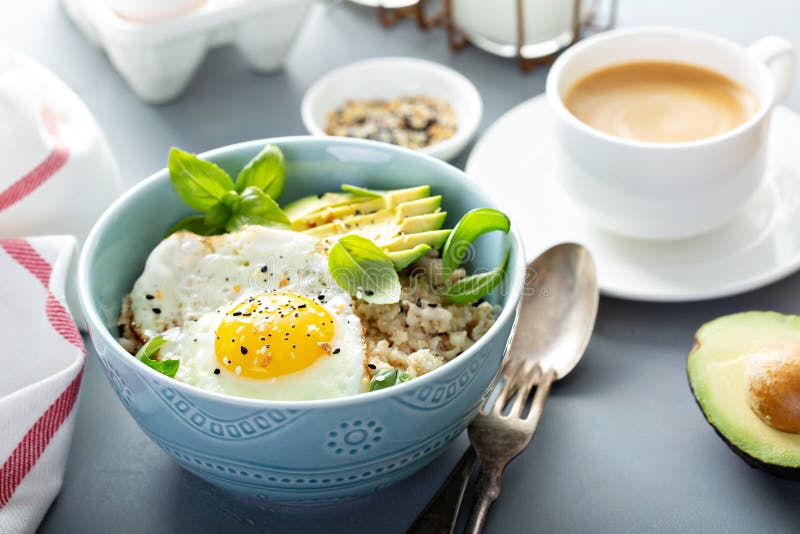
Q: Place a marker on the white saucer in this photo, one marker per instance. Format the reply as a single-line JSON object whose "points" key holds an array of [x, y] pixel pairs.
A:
{"points": [[513, 162]]}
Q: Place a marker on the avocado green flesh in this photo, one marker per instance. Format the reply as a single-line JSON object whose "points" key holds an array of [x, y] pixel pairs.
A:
{"points": [[303, 207], [404, 258], [314, 212], [716, 373]]}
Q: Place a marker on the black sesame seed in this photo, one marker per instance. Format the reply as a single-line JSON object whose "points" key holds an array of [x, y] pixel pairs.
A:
{"points": [[294, 346], [337, 351], [372, 366], [321, 297], [419, 303], [243, 349], [236, 313], [216, 371], [432, 304], [156, 310], [369, 292], [149, 297], [301, 306], [264, 269]]}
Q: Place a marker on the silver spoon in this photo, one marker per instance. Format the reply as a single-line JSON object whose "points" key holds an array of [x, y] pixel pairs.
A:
{"points": [[556, 321]]}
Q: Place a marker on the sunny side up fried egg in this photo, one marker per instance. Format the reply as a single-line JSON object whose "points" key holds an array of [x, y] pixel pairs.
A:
{"points": [[252, 313]]}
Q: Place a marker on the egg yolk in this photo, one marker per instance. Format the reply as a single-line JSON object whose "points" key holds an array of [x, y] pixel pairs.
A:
{"points": [[273, 334]]}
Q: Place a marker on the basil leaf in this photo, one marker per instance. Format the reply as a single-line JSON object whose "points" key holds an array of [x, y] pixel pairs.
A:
{"points": [[364, 270], [218, 215], [386, 378], [257, 207], [200, 183], [196, 224], [361, 192], [474, 287], [473, 224], [266, 171], [150, 349]]}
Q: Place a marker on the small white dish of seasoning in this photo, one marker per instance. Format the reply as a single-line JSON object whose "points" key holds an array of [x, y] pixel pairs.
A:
{"points": [[408, 102]]}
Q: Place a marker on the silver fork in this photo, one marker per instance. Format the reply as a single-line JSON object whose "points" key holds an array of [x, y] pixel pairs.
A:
{"points": [[502, 430]]}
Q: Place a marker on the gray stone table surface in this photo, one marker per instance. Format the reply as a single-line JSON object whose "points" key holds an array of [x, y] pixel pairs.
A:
{"points": [[622, 446]]}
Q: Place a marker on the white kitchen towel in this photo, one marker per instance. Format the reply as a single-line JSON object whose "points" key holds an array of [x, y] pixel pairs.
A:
{"points": [[57, 174], [42, 356]]}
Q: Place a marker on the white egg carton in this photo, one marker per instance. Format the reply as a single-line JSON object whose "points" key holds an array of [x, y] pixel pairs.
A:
{"points": [[159, 58]]}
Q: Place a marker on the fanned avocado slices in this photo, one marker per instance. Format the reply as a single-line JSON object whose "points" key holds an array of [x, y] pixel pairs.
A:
{"points": [[405, 223], [744, 371], [312, 212]]}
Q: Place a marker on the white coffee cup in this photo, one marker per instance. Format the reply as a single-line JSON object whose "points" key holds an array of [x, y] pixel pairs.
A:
{"points": [[667, 190]]}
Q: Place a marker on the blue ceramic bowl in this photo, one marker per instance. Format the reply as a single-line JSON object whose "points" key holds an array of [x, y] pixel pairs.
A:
{"points": [[296, 451]]}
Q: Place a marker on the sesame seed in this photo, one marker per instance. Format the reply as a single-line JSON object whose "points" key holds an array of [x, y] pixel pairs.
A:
{"points": [[156, 310], [419, 303], [321, 297], [243, 349], [264, 269], [216, 371], [369, 292], [238, 369], [337, 351], [432, 304], [149, 297], [301, 306], [236, 313], [372, 366]]}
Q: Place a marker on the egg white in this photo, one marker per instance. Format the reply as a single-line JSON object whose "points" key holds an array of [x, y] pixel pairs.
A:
{"points": [[190, 282]]}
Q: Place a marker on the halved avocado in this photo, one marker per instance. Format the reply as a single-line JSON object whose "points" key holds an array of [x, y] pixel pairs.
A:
{"points": [[723, 368]]}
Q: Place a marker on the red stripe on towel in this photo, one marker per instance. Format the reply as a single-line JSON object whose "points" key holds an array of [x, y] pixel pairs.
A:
{"points": [[27, 453], [35, 441], [41, 173]]}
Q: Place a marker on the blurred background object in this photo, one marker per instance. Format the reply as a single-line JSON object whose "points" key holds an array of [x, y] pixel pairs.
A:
{"points": [[533, 31], [157, 46]]}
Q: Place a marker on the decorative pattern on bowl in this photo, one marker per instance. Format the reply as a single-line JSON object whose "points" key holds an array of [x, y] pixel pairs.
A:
{"points": [[251, 425]]}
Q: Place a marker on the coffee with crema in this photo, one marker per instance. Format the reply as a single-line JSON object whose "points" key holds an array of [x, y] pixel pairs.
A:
{"points": [[660, 102]]}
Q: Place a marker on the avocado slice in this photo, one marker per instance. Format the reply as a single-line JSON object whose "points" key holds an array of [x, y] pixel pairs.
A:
{"points": [[343, 205], [434, 239], [381, 226], [720, 369], [404, 258], [305, 206]]}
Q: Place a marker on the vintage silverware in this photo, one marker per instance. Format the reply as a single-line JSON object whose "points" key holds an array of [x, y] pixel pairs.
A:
{"points": [[556, 321]]}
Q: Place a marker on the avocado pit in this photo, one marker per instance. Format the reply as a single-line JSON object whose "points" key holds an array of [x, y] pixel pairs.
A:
{"points": [[772, 383]]}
